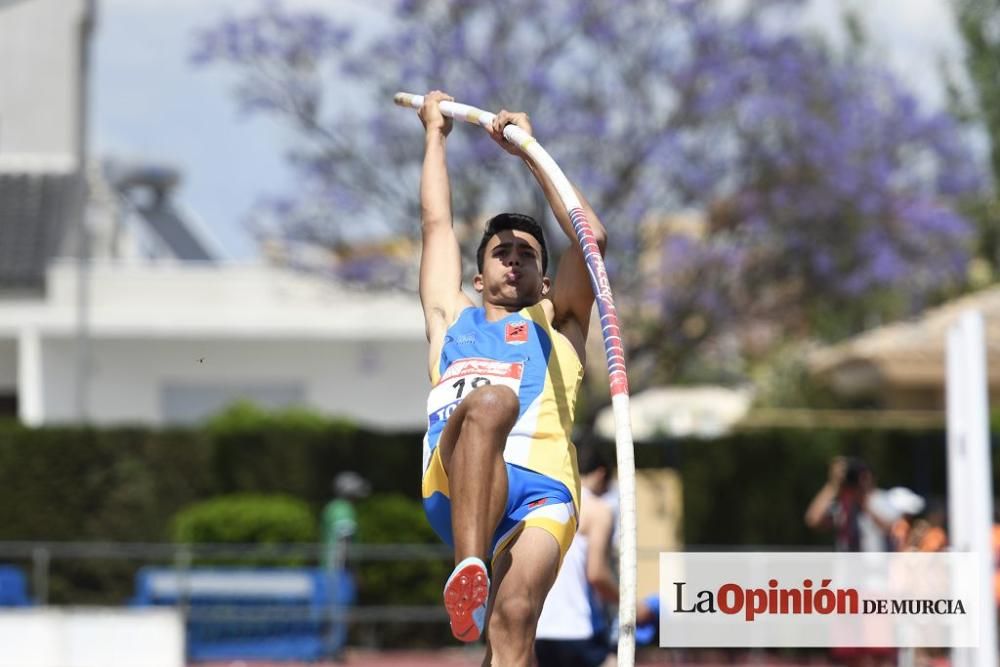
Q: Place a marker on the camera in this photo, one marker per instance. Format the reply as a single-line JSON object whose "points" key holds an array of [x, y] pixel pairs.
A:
{"points": [[855, 469]]}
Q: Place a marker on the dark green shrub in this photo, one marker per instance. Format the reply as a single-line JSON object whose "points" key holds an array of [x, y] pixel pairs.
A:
{"points": [[245, 518], [396, 519]]}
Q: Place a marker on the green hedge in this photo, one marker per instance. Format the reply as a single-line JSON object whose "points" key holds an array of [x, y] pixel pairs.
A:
{"points": [[397, 519], [752, 488], [126, 484], [86, 484], [246, 518]]}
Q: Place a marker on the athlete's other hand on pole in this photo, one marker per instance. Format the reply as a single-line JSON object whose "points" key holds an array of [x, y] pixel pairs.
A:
{"points": [[502, 120], [430, 113]]}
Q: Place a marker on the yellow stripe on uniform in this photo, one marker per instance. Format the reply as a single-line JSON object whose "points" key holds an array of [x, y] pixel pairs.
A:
{"points": [[552, 453], [435, 479], [562, 532]]}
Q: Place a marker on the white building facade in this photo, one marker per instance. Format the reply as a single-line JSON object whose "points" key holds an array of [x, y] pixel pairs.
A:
{"points": [[139, 336], [174, 343]]}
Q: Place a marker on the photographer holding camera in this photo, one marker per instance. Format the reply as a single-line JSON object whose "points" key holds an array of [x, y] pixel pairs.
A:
{"points": [[860, 514]]}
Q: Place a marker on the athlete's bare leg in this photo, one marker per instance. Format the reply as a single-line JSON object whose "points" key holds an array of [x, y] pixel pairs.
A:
{"points": [[471, 446], [522, 577]]}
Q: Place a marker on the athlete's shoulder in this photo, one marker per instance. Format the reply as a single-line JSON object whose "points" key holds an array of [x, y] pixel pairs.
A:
{"points": [[568, 330], [546, 307]]}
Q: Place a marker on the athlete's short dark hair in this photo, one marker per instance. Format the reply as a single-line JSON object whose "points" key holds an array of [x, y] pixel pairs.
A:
{"points": [[518, 221]]}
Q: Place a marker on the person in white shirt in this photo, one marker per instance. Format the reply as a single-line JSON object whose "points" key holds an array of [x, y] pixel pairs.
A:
{"points": [[572, 630]]}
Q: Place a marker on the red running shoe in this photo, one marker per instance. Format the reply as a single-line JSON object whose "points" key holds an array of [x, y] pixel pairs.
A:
{"points": [[465, 597]]}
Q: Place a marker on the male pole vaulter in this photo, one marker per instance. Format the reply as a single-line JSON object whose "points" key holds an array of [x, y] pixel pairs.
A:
{"points": [[500, 479]]}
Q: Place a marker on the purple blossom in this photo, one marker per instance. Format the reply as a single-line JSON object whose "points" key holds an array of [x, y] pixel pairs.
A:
{"points": [[834, 179]]}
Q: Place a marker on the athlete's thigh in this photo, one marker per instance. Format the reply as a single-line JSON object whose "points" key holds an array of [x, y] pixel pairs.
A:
{"points": [[527, 567], [453, 428]]}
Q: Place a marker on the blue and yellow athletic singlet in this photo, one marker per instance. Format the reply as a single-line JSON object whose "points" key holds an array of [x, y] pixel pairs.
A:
{"points": [[524, 352]]}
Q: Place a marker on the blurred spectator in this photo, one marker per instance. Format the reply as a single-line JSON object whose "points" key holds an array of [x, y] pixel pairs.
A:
{"points": [[859, 513], [907, 529], [571, 629], [996, 552], [927, 532], [862, 518], [918, 530], [339, 521], [339, 524]]}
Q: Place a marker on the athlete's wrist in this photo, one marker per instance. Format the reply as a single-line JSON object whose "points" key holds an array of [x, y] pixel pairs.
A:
{"points": [[435, 140]]}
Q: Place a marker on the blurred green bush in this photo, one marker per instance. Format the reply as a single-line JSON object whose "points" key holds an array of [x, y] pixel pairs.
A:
{"points": [[246, 518], [127, 484], [396, 519]]}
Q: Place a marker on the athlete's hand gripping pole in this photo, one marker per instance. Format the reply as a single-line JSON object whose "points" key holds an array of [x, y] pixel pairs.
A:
{"points": [[612, 347]]}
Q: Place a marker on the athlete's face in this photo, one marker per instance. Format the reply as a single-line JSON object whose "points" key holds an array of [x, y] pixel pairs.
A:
{"points": [[512, 270]]}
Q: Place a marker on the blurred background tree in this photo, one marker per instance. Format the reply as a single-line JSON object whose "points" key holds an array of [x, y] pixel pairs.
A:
{"points": [[979, 24], [760, 187]]}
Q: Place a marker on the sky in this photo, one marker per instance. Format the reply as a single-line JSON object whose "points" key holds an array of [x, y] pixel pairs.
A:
{"points": [[149, 103]]}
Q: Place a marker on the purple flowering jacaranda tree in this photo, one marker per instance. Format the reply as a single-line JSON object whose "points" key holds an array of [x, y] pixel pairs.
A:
{"points": [[827, 190]]}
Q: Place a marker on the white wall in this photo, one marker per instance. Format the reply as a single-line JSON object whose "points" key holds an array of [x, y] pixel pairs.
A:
{"points": [[383, 383], [79, 637], [231, 301], [40, 76], [353, 353]]}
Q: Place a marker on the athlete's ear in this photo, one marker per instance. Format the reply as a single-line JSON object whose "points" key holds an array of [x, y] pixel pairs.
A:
{"points": [[477, 283], [546, 285]]}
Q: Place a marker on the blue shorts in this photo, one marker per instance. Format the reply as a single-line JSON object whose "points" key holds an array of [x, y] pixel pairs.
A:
{"points": [[532, 500]]}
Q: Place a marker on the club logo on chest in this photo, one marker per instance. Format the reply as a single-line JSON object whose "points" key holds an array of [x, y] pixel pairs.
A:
{"points": [[516, 333]]}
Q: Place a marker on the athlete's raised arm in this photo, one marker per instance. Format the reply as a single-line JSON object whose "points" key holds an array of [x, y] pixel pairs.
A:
{"points": [[572, 295], [440, 259]]}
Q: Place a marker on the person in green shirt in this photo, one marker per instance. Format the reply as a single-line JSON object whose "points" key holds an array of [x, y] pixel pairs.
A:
{"points": [[339, 523]]}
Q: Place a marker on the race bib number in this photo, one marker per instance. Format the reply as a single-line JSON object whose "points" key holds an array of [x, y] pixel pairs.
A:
{"points": [[462, 377]]}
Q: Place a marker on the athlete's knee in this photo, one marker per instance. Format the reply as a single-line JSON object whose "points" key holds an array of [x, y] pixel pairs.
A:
{"points": [[492, 406], [514, 615]]}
